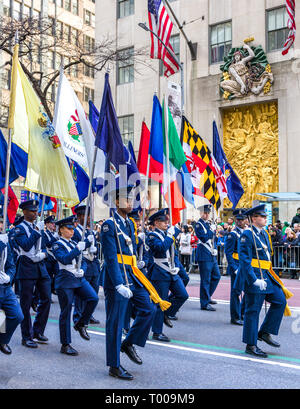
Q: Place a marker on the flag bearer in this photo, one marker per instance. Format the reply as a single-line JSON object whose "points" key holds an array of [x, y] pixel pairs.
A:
{"points": [[32, 273], [259, 282], [50, 239], [123, 281], [206, 256], [70, 281], [8, 300]]}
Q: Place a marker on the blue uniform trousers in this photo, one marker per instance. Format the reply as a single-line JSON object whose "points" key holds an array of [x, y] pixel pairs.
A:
{"points": [[272, 321], [235, 301], [179, 296], [43, 286], [116, 306], [65, 297], [210, 277], [79, 303], [13, 312]]}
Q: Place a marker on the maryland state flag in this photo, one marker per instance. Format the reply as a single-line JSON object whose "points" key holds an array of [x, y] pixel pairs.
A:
{"points": [[200, 163]]}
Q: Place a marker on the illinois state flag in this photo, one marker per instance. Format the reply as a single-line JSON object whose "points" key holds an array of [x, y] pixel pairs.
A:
{"points": [[47, 170], [234, 187]]}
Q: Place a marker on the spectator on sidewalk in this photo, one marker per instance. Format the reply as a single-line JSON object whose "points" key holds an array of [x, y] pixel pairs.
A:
{"points": [[291, 252], [185, 248], [296, 218]]}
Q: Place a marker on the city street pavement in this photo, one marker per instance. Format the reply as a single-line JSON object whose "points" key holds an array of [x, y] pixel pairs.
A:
{"points": [[206, 352]]}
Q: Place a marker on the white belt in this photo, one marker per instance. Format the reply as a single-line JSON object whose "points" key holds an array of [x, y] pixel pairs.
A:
{"points": [[160, 263]]}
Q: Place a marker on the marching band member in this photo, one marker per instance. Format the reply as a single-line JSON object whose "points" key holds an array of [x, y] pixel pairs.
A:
{"points": [[259, 282], [164, 278], [8, 300], [70, 281], [206, 256], [50, 237], [231, 250], [32, 273], [123, 281]]}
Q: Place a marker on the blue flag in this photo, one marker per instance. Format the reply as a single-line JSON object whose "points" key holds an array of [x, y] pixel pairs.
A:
{"points": [[13, 174], [49, 205], [234, 187], [133, 169], [108, 136], [93, 116], [185, 184]]}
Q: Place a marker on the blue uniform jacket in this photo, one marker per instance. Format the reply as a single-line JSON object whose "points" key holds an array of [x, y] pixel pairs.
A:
{"points": [[231, 246], [13, 244], [113, 271], [247, 274], [49, 240], [64, 278], [92, 267], [158, 249], [26, 268], [203, 233], [10, 267]]}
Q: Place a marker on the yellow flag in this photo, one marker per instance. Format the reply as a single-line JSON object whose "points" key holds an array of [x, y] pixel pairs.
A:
{"points": [[48, 172]]}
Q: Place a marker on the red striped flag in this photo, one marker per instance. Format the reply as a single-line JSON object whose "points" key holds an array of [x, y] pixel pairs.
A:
{"points": [[161, 24], [290, 7]]}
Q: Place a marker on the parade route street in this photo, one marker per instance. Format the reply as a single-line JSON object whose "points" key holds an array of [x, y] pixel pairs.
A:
{"points": [[206, 352]]}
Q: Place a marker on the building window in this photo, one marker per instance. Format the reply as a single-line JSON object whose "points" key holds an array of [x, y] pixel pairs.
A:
{"points": [[125, 8], [125, 66], [6, 79], [277, 28], [88, 94], [75, 8], [87, 17], [126, 124], [89, 44], [220, 41], [175, 44], [67, 5], [6, 8], [16, 10], [4, 112]]}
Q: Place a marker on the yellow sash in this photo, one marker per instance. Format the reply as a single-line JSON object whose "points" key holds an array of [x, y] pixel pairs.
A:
{"points": [[267, 265], [131, 261]]}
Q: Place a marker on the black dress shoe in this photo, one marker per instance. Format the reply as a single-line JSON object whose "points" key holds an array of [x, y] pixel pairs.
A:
{"points": [[82, 331], [263, 336], [5, 349], [68, 350], [125, 331], [161, 337], [130, 351], [168, 322], [94, 321], [41, 339], [254, 350], [212, 302], [29, 343], [208, 308], [173, 317], [120, 373], [34, 306], [237, 322]]}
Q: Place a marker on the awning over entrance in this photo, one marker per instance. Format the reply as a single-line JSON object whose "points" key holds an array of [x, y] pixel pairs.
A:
{"points": [[281, 197]]}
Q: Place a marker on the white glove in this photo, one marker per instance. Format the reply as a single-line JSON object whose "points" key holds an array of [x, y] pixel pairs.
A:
{"points": [[235, 272], [90, 238], [141, 236], [40, 225], [40, 255], [4, 278], [124, 291], [213, 227], [93, 249], [81, 245], [175, 271], [261, 284], [79, 274], [4, 238], [141, 264], [171, 231]]}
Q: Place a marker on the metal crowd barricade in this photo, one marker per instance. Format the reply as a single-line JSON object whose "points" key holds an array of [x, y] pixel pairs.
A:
{"points": [[286, 259]]}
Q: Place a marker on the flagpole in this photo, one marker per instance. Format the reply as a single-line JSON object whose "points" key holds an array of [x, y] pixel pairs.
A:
{"points": [[166, 119]]}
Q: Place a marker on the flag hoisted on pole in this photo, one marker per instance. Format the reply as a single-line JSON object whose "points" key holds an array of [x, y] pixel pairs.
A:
{"points": [[47, 172], [161, 24], [291, 24]]}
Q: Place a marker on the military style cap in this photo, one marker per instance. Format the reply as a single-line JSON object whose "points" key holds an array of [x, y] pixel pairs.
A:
{"points": [[81, 209], [257, 210], [161, 215], [67, 222], [239, 214], [135, 214], [32, 205], [50, 219], [205, 208]]}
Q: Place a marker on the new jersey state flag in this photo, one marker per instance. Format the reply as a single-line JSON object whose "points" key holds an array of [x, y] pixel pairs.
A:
{"points": [[47, 171]]}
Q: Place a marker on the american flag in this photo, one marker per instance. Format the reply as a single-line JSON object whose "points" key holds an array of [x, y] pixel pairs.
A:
{"points": [[161, 24], [290, 7]]}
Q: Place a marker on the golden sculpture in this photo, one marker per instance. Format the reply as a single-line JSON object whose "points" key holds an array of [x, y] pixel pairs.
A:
{"points": [[250, 139]]}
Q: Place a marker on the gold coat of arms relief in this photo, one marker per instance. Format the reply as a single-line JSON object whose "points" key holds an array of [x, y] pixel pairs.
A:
{"points": [[250, 139]]}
